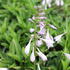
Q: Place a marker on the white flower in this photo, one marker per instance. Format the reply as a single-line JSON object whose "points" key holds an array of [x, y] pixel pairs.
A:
{"points": [[52, 26], [48, 40], [32, 30], [38, 66], [67, 55], [62, 3], [59, 2], [41, 55], [3, 68], [43, 2], [58, 37], [46, 2], [27, 48], [39, 43], [32, 57]]}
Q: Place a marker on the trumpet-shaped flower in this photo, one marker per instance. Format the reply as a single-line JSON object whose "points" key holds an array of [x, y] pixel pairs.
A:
{"points": [[42, 31], [48, 40], [27, 48], [39, 43], [41, 55], [52, 26], [67, 55], [32, 57], [58, 37]]}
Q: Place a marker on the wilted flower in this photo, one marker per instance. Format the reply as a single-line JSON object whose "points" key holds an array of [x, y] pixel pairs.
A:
{"points": [[32, 30], [48, 40], [38, 66], [52, 26], [27, 48], [67, 55], [39, 43], [58, 37], [32, 57], [41, 55], [59, 2]]}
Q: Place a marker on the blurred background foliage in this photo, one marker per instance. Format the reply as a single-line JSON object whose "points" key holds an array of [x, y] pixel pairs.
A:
{"points": [[14, 34]]}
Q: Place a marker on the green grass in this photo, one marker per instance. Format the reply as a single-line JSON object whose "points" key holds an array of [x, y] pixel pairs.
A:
{"points": [[14, 34]]}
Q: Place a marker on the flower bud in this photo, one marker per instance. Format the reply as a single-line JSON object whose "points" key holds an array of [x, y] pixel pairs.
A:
{"points": [[27, 48], [52, 26], [32, 30], [32, 57], [58, 37], [41, 55]]}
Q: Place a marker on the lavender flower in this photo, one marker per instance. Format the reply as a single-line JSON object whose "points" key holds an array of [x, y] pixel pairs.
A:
{"points": [[27, 48], [52, 26], [39, 43], [58, 37], [32, 57], [48, 40], [42, 31], [41, 24], [41, 55]]}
